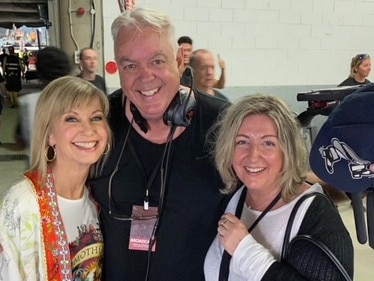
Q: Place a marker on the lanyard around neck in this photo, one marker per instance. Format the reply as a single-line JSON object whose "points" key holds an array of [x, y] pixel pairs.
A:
{"points": [[226, 257]]}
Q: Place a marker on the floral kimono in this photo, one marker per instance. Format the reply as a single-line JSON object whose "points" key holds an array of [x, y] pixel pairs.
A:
{"points": [[33, 237]]}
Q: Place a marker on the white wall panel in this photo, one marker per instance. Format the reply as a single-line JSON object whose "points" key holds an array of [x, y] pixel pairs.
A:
{"points": [[263, 42]]}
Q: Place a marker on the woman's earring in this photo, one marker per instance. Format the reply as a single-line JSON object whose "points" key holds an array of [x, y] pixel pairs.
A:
{"points": [[50, 153], [107, 149]]}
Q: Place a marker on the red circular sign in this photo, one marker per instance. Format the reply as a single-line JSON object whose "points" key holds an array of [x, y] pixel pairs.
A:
{"points": [[111, 67]]}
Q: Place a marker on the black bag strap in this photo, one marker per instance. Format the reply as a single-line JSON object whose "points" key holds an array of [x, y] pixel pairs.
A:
{"points": [[287, 243]]}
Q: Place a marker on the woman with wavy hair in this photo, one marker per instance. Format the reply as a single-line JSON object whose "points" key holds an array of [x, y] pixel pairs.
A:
{"points": [[50, 227], [275, 221]]}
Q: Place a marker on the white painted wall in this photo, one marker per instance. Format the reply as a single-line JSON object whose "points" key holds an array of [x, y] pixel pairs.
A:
{"points": [[270, 42], [273, 46]]}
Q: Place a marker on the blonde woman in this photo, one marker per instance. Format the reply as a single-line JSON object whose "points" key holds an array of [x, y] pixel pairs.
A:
{"points": [[360, 70], [261, 156], [50, 228]]}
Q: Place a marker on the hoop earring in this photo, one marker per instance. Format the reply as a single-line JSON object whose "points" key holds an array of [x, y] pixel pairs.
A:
{"points": [[50, 153], [107, 149]]}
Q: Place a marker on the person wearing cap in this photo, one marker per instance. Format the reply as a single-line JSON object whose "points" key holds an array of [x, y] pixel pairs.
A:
{"points": [[342, 155], [360, 70]]}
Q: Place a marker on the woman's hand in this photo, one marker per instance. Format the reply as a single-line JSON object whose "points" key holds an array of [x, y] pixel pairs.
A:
{"points": [[231, 231]]}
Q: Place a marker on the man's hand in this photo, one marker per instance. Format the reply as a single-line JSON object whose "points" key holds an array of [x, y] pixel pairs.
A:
{"points": [[221, 62], [220, 84]]}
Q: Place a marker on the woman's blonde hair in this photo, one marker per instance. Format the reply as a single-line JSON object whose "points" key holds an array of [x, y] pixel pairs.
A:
{"points": [[295, 165], [60, 96], [356, 62]]}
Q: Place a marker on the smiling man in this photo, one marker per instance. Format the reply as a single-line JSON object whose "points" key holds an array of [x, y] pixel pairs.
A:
{"points": [[159, 177]]}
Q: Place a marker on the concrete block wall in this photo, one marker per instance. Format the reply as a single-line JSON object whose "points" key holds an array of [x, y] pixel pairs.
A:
{"points": [[272, 46]]}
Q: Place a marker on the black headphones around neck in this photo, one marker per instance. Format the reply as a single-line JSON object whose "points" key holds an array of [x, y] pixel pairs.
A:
{"points": [[180, 110]]}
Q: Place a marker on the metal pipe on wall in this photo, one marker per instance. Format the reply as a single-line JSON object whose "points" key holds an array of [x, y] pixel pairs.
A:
{"points": [[78, 29]]}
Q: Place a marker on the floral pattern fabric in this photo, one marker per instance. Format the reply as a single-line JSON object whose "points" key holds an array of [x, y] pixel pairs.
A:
{"points": [[33, 243]]}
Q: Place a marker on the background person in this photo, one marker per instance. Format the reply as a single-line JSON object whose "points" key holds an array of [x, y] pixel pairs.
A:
{"points": [[2, 57], [185, 44], [12, 67], [260, 149], [26, 54], [203, 65], [88, 62], [184, 204], [186, 47], [47, 60], [48, 218], [360, 70], [2, 96]]}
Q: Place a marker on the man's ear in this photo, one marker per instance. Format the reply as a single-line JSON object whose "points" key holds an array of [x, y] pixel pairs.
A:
{"points": [[180, 60]]}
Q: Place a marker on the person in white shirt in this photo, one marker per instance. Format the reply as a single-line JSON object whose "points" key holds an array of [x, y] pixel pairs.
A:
{"points": [[50, 226], [262, 158]]}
